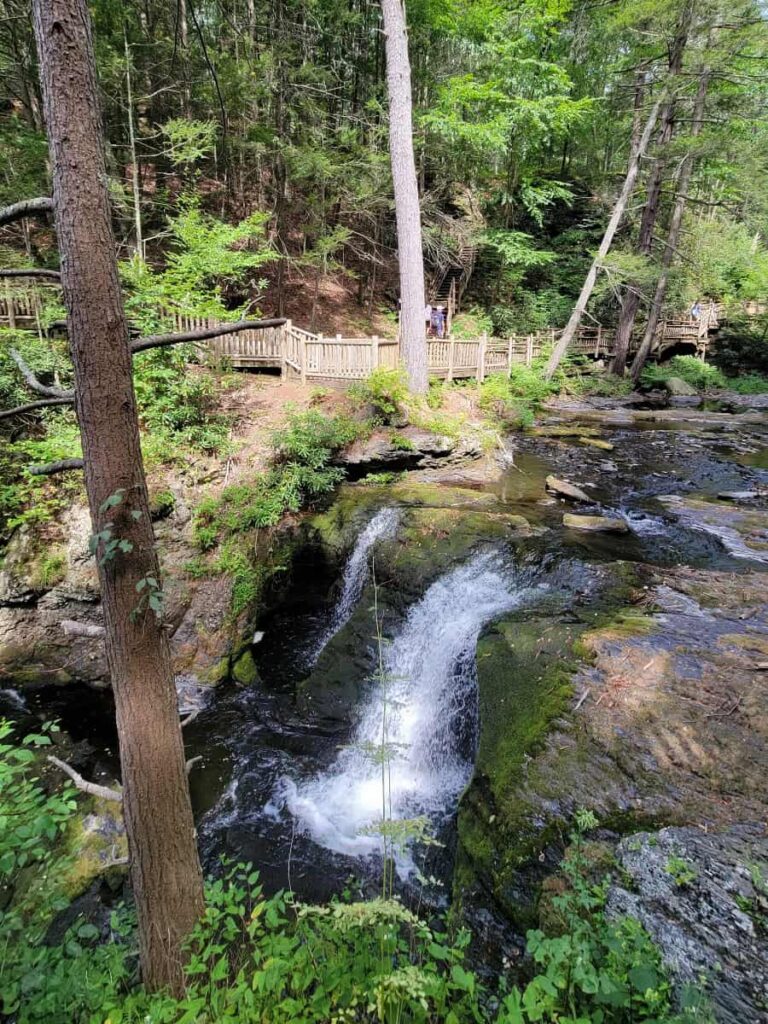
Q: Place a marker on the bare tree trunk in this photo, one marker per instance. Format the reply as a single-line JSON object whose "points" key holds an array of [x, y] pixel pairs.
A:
{"points": [[650, 213], [673, 235], [413, 340], [165, 869], [135, 184], [618, 212]]}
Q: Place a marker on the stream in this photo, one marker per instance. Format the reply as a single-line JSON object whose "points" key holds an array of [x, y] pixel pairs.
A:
{"points": [[290, 778]]}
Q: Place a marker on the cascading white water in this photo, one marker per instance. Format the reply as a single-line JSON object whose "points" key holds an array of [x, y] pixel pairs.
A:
{"points": [[431, 705], [383, 524]]}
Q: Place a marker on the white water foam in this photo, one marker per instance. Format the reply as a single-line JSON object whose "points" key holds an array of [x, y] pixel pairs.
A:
{"points": [[431, 700], [382, 525]]}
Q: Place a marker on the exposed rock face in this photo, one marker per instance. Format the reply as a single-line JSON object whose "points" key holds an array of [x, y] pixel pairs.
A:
{"points": [[595, 524], [565, 489], [409, 448], [701, 899], [669, 725]]}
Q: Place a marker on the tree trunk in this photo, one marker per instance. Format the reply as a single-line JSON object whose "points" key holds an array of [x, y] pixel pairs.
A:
{"points": [[413, 340], [673, 235], [135, 182], [618, 212], [650, 213], [165, 869]]}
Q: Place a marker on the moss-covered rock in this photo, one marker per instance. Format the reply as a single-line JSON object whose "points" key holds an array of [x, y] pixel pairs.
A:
{"points": [[244, 671]]}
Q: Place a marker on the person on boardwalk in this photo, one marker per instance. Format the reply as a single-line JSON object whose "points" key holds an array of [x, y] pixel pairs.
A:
{"points": [[696, 310], [428, 317], [440, 321]]}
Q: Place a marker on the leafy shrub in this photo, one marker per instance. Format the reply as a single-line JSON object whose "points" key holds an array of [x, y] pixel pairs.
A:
{"points": [[385, 389], [301, 472], [693, 371], [177, 405]]}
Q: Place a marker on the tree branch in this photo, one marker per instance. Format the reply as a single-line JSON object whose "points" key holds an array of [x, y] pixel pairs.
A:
{"points": [[19, 410], [34, 384], [56, 467], [91, 788], [26, 208], [161, 340], [53, 275]]}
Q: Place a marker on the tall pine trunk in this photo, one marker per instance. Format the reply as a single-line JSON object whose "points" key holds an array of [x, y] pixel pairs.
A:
{"points": [[673, 234], [413, 340], [165, 869], [650, 213], [618, 212]]}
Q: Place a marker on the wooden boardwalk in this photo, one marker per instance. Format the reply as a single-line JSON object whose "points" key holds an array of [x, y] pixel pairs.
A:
{"points": [[337, 360]]}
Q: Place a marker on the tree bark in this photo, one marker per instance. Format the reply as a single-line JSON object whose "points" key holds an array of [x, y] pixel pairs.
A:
{"points": [[618, 212], [165, 869], [650, 213], [673, 234], [413, 339]]}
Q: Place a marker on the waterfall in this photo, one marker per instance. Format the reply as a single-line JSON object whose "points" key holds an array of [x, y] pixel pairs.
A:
{"points": [[432, 717], [383, 524]]}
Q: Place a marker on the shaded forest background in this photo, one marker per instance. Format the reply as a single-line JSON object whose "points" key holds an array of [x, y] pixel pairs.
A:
{"points": [[263, 126]]}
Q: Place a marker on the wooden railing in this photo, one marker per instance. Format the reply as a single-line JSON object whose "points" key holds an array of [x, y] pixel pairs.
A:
{"points": [[337, 360]]}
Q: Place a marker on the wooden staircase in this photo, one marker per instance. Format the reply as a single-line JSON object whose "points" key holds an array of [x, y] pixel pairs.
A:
{"points": [[451, 281]]}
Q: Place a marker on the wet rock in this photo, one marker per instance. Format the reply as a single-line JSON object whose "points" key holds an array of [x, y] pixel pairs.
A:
{"points": [[565, 489], [596, 442], [738, 495], [595, 524], [700, 897], [411, 448], [679, 388], [244, 670], [742, 532]]}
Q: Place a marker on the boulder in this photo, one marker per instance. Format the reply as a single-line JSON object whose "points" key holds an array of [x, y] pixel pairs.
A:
{"points": [[702, 899], [565, 490], [411, 448], [679, 388], [595, 524]]}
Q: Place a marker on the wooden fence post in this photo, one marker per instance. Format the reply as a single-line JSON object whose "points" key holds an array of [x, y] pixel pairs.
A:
{"points": [[451, 357], [481, 358], [285, 333], [374, 351], [303, 356], [11, 309], [509, 355], [529, 350]]}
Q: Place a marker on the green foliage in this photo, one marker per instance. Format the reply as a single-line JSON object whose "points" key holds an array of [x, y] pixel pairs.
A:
{"points": [[681, 871], [177, 405], [742, 348], [514, 398], [385, 390], [594, 971], [692, 370], [189, 140], [301, 471], [204, 256]]}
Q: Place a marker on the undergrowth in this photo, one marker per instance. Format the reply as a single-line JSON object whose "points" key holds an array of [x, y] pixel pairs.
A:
{"points": [[255, 957], [302, 471]]}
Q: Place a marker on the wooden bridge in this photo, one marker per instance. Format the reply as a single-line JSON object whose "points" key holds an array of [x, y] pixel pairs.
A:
{"points": [[337, 360]]}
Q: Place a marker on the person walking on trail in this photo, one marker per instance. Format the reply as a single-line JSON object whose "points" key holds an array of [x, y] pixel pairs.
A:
{"points": [[696, 310], [428, 317], [440, 322]]}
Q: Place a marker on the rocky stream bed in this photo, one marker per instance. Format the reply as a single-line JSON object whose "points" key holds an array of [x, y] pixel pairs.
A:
{"points": [[605, 651]]}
